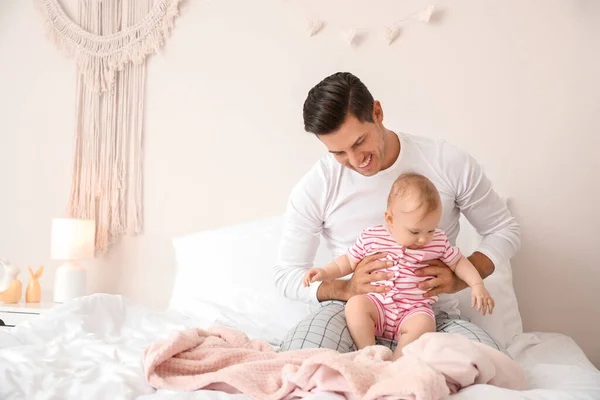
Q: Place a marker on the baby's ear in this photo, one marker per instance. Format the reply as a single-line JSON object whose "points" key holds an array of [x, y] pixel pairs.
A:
{"points": [[389, 219]]}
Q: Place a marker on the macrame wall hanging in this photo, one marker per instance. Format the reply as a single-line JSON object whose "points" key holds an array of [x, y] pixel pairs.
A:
{"points": [[110, 43]]}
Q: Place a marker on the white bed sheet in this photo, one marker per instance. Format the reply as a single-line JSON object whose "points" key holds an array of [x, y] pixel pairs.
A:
{"points": [[92, 348]]}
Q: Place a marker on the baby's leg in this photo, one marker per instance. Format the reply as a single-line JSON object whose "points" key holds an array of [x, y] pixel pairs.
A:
{"points": [[411, 329], [361, 316]]}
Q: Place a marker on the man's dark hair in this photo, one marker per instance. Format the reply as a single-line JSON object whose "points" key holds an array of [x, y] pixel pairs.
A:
{"points": [[329, 102]]}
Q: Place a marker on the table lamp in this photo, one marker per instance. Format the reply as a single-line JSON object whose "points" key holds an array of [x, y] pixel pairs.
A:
{"points": [[72, 240]]}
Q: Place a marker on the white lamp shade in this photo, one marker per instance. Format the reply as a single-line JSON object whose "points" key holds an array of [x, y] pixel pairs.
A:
{"points": [[73, 239]]}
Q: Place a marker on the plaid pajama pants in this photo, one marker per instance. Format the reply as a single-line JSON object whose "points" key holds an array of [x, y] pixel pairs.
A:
{"points": [[327, 328]]}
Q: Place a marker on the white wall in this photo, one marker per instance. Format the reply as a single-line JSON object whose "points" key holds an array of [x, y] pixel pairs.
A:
{"points": [[513, 82]]}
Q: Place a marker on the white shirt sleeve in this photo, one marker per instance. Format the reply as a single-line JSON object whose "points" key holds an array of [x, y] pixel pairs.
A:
{"points": [[302, 226], [482, 206]]}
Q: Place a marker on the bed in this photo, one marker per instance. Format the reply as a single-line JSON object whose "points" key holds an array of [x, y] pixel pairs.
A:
{"points": [[91, 347]]}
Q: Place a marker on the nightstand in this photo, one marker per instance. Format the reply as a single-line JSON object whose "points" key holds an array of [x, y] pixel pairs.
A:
{"points": [[13, 314]]}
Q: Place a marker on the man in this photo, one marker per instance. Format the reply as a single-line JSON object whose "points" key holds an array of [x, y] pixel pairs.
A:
{"points": [[346, 192]]}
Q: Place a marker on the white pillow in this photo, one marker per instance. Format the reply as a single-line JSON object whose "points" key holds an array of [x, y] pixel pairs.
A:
{"points": [[226, 275], [505, 323]]}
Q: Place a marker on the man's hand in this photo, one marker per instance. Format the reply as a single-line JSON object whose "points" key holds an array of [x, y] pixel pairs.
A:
{"points": [[443, 279], [365, 274], [360, 282]]}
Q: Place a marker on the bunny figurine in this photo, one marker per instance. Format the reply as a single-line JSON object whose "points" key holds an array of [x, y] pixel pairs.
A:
{"points": [[33, 294], [12, 288]]}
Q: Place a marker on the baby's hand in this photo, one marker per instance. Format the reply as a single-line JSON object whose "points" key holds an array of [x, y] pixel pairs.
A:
{"points": [[314, 275], [481, 297]]}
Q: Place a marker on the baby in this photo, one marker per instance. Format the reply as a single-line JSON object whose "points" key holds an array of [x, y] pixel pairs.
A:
{"points": [[409, 238]]}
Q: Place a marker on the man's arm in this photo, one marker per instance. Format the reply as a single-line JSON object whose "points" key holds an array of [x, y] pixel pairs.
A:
{"points": [[365, 273], [299, 243], [301, 230], [482, 264], [303, 223], [340, 289], [446, 281], [334, 290], [486, 211]]}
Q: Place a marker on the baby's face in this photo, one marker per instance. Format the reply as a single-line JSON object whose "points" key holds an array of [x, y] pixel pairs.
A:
{"points": [[409, 227]]}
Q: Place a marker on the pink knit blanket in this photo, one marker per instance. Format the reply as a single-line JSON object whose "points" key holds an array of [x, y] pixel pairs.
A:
{"points": [[432, 367]]}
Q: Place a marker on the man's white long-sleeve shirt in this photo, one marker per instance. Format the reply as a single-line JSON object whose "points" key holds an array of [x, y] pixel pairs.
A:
{"points": [[336, 203]]}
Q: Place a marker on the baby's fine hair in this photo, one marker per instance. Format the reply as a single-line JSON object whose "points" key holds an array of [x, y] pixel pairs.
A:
{"points": [[426, 191]]}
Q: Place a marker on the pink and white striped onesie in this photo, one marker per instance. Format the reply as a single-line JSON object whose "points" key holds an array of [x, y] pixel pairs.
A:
{"points": [[405, 298]]}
